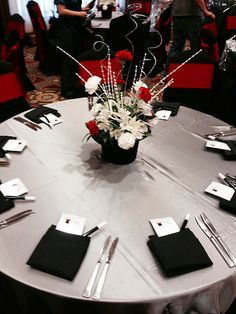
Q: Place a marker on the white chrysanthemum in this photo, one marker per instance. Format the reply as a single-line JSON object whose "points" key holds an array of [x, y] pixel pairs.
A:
{"points": [[92, 84], [115, 133], [139, 129], [145, 109], [96, 108], [139, 84], [105, 7], [126, 140]]}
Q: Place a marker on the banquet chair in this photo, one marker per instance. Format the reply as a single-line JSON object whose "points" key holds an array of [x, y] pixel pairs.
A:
{"points": [[12, 96], [46, 50], [12, 49], [94, 61], [124, 35], [209, 40], [194, 82]]}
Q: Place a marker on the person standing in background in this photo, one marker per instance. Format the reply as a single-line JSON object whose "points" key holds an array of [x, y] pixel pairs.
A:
{"points": [[73, 38], [187, 19]]}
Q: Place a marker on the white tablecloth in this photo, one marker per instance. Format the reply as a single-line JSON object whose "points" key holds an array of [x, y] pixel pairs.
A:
{"points": [[168, 178]]}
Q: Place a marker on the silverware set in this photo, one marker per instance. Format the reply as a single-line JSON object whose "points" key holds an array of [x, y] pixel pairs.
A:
{"points": [[208, 228], [31, 125], [230, 132], [92, 290], [10, 220]]}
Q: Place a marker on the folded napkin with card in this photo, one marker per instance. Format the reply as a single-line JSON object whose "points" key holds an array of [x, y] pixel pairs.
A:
{"points": [[230, 205], [59, 253], [5, 204], [38, 114], [179, 253], [5, 138], [226, 148], [230, 154], [170, 106]]}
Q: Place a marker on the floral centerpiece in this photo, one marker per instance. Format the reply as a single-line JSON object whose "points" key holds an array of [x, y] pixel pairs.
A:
{"points": [[106, 7], [121, 119]]}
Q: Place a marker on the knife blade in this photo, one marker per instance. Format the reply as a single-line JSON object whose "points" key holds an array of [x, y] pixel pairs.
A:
{"points": [[214, 241], [216, 234], [98, 289], [88, 289], [6, 222]]}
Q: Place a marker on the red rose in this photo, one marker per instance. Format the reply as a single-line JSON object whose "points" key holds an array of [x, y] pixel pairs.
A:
{"points": [[144, 94], [92, 126], [124, 55]]}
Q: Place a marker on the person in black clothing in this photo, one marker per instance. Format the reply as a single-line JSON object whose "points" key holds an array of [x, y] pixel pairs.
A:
{"points": [[187, 18], [73, 38]]}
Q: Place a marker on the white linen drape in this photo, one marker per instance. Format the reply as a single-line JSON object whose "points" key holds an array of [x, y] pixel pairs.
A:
{"points": [[19, 6]]}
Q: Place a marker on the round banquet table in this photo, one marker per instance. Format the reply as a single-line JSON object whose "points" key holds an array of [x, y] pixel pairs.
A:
{"points": [[168, 178]]}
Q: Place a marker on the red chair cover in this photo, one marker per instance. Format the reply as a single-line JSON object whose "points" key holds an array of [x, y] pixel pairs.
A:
{"points": [[192, 75], [231, 22], [94, 66], [10, 87]]}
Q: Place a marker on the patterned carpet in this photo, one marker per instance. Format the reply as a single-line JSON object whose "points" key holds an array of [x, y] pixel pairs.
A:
{"points": [[47, 88]]}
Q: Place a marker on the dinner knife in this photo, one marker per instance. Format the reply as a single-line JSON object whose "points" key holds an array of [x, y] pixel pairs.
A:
{"points": [[6, 222], [214, 241], [218, 237], [27, 123], [88, 289], [98, 290]]}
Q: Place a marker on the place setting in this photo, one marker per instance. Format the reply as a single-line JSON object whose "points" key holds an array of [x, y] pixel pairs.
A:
{"points": [[43, 114]]}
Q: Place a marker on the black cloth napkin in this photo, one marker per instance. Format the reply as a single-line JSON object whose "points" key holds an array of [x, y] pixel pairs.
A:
{"points": [[59, 253], [5, 204], [230, 154], [179, 253], [5, 138], [37, 113], [229, 206], [162, 105]]}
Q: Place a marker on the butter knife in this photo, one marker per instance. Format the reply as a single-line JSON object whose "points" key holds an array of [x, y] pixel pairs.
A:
{"points": [[88, 289], [6, 222], [98, 289], [214, 241], [27, 123], [218, 237]]}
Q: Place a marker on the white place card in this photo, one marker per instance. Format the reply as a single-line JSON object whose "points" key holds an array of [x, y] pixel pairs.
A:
{"points": [[220, 190], [163, 114], [217, 145], [164, 226], [51, 119], [13, 187], [71, 224], [14, 146]]}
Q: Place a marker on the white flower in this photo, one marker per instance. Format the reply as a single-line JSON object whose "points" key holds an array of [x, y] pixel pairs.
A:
{"points": [[145, 108], [139, 84], [126, 140], [105, 7], [92, 84]]}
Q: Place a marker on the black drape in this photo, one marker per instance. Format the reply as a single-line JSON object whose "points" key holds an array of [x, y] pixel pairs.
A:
{"points": [[4, 14]]}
